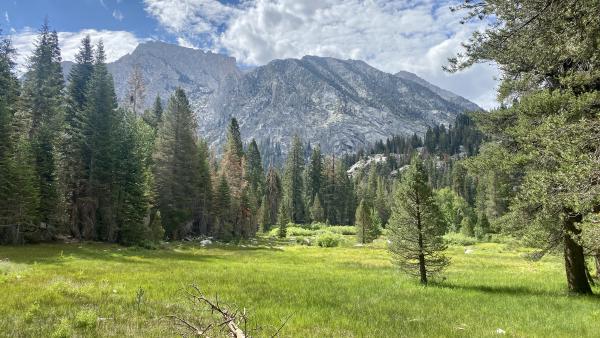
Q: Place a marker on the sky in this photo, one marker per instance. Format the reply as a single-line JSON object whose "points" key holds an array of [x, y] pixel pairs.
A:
{"points": [[391, 35]]}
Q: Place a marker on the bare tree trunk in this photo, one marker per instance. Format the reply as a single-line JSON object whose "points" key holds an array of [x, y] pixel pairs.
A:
{"points": [[574, 257]]}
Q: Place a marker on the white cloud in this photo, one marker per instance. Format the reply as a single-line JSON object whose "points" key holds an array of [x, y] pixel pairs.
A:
{"points": [[411, 35], [6, 17], [190, 17], [116, 43], [118, 15]]}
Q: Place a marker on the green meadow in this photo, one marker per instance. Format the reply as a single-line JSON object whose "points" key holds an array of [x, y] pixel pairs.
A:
{"points": [[103, 290]]}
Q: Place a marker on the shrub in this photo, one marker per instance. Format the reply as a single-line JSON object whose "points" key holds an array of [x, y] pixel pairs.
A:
{"points": [[63, 329], [86, 319], [329, 240], [457, 238], [293, 230], [342, 229]]}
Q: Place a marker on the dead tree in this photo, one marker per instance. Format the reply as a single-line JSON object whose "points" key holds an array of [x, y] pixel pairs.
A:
{"points": [[233, 323]]}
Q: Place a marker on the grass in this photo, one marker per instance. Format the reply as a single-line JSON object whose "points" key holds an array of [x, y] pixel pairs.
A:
{"points": [[93, 290]]}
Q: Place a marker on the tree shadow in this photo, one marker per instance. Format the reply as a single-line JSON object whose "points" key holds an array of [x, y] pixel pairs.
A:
{"points": [[55, 253], [505, 290]]}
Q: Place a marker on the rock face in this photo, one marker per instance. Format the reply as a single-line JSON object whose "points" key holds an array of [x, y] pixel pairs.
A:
{"points": [[341, 104]]}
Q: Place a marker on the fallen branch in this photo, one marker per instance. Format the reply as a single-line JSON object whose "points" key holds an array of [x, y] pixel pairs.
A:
{"points": [[231, 323]]}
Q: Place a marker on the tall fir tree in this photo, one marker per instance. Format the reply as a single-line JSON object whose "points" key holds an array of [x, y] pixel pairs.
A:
{"points": [[292, 184], [546, 136], [133, 143], [204, 192], [176, 166], [314, 176], [42, 99], [75, 157], [223, 228], [317, 213], [19, 195], [367, 229], [232, 166], [416, 226], [273, 195], [153, 116], [255, 174]]}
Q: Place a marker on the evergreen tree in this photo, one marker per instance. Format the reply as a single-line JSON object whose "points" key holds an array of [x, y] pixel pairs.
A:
{"points": [[100, 130], [203, 184], [366, 229], [42, 98], [255, 174], [314, 176], [19, 195], [543, 137], [283, 219], [264, 215], [75, 157], [132, 147], [232, 164], [223, 228], [273, 195], [177, 166], [153, 116], [293, 186], [316, 211], [382, 205], [416, 226]]}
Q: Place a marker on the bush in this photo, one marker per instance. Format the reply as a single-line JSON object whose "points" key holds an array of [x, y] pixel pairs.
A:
{"points": [[329, 240], [457, 238], [293, 230], [63, 329], [86, 319], [342, 229]]}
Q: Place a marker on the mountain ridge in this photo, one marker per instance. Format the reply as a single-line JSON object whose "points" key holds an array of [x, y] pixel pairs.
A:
{"points": [[314, 97]]}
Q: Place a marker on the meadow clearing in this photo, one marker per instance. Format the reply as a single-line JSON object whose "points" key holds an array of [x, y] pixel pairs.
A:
{"points": [[105, 290]]}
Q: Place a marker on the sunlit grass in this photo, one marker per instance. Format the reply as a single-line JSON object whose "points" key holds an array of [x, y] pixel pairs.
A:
{"points": [[90, 290]]}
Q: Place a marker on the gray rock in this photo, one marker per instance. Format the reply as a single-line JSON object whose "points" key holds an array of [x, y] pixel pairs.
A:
{"points": [[341, 104]]}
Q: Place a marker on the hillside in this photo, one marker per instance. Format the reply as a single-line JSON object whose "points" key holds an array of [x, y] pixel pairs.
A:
{"points": [[314, 97]]}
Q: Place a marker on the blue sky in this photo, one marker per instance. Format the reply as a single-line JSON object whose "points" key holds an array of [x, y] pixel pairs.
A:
{"points": [[392, 35]]}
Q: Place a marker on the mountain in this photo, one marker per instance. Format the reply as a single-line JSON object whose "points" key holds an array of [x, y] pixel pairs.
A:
{"points": [[341, 104], [445, 94]]}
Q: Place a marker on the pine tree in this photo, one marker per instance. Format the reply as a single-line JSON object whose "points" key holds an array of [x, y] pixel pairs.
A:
{"points": [[416, 226], [202, 210], [314, 176], [42, 99], [316, 211], [551, 120], [177, 166], [133, 144], [223, 228], [273, 195], [264, 214], [255, 175], [232, 164], [75, 158], [101, 124], [9, 91], [19, 195], [293, 186], [153, 116], [283, 219], [366, 229], [382, 205]]}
